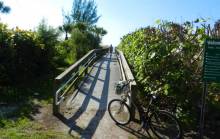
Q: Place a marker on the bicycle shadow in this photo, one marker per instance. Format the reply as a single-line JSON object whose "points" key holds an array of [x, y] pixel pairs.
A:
{"points": [[134, 128]]}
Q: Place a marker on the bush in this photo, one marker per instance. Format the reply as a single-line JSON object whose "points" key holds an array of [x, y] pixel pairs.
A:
{"points": [[83, 39], [168, 60], [22, 56], [66, 53], [48, 37]]}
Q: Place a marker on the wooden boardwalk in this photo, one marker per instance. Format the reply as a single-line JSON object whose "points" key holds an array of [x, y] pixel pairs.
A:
{"points": [[85, 113]]}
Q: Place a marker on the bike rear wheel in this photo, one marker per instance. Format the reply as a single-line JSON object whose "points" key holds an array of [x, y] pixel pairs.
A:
{"points": [[119, 111], [165, 125]]}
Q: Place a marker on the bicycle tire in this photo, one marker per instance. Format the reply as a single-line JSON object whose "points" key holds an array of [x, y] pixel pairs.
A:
{"points": [[119, 111], [161, 126]]}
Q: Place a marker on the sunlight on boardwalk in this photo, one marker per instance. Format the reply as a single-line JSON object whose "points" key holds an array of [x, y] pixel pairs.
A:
{"points": [[86, 115]]}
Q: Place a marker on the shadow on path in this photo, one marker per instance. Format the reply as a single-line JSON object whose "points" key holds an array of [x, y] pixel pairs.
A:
{"points": [[141, 134], [88, 132]]}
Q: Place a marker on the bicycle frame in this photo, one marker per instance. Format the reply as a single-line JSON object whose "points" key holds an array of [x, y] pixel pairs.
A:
{"points": [[144, 112], [151, 116]]}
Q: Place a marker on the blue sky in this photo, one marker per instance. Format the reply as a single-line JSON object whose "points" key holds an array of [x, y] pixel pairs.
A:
{"points": [[118, 17]]}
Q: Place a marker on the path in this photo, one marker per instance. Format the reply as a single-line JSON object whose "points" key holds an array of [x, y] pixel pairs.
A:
{"points": [[86, 115]]}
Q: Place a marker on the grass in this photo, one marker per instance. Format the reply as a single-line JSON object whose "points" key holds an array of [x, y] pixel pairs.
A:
{"points": [[27, 129], [16, 119]]}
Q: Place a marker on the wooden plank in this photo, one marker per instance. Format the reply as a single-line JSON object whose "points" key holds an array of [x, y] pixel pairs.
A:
{"points": [[121, 67], [126, 68]]}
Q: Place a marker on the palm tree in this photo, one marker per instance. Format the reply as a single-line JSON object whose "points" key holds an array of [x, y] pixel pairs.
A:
{"points": [[3, 8], [67, 25]]}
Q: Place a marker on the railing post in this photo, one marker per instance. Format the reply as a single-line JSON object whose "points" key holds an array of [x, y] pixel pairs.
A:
{"points": [[133, 100], [56, 108]]}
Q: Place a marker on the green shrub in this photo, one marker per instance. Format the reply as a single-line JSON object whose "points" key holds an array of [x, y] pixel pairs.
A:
{"points": [[21, 56], [49, 38], [66, 53], [82, 40], [168, 60]]}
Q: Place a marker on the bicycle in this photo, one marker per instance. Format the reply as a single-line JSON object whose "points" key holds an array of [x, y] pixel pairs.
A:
{"points": [[162, 123]]}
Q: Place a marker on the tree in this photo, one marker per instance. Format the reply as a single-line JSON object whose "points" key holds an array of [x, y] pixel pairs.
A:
{"points": [[84, 11], [48, 37], [85, 35], [99, 31], [67, 25], [3, 8]]}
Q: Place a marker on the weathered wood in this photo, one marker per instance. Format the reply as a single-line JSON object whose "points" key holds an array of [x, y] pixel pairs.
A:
{"points": [[126, 68], [127, 75], [55, 106], [121, 67]]}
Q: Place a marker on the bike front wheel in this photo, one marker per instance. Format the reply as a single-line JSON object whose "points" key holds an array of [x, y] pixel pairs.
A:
{"points": [[119, 111], [165, 125]]}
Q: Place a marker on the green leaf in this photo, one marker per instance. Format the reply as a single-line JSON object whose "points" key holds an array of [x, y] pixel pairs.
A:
{"points": [[158, 21]]}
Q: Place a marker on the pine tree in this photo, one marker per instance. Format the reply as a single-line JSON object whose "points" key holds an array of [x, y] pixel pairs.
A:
{"points": [[3, 8], [84, 11]]}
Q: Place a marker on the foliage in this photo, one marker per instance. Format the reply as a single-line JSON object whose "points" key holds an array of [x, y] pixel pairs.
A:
{"points": [[67, 25], [80, 23], [26, 54], [168, 60], [3, 8], [66, 53], [48, 37], [20, 55], [84, 38], [84, 11], [80, 39], [98, 32]]}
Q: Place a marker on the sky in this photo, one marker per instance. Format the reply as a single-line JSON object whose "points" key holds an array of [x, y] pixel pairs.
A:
{"points": [[118, 17]]}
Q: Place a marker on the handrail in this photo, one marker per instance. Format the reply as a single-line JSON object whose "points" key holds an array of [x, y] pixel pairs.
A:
{"points": [[127, 75], [74, 66], [65, 81], [125, 69]]}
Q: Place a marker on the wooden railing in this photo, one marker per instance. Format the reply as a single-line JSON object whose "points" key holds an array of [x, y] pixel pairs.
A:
{"points": [[127, 75], [66, 80]]}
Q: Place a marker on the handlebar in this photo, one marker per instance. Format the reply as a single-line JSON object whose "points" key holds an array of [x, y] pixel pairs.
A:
{"points": [[123, 84], [128, 81]]}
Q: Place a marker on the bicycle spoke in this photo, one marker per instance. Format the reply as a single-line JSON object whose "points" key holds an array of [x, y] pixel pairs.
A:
{"points": [[119, 111], [164, 125]]}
